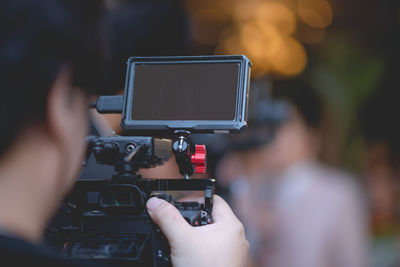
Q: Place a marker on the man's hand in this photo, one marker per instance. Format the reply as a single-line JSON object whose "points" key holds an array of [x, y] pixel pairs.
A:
{"points": [[219, 244]]}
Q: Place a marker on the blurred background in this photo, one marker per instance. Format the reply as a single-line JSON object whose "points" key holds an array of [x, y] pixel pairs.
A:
{"points": [[315, 178]]}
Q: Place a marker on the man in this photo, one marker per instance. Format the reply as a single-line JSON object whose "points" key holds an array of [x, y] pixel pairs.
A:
{"points": [[49, 58], [297, 211]]}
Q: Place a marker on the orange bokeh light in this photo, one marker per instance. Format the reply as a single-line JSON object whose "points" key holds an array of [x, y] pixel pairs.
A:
{"points": [[291, 58], [264, 30], [315, 13], [278, 15]]}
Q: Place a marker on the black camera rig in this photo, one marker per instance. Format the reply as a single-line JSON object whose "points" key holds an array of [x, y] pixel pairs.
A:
{"points": [[109, 220], [164, 96]]}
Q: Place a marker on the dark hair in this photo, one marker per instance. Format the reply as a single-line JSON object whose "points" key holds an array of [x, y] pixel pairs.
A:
{"points": [[302, 96], [36, 39], [142, 28]]}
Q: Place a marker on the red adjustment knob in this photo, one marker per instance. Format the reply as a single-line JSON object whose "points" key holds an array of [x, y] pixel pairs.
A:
{"points": [[199, 159]]}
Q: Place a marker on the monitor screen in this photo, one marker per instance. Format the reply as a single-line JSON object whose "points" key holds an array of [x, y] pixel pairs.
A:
{"points": [[185, 91]]}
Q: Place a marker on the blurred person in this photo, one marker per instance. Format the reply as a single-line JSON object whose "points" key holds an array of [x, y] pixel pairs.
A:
{"points": [[296, 211], [50, 54]]}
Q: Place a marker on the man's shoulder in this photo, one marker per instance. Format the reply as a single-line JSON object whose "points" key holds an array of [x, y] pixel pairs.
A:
{"points": [[339, 186], [339, 178]]}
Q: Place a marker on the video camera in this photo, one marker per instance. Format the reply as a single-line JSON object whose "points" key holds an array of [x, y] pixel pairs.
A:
{"points": [[165, 100]]}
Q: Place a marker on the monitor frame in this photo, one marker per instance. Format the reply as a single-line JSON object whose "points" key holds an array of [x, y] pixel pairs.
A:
{"points": [[239, 123]]}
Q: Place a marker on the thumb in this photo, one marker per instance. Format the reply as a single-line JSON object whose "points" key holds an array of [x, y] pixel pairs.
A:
{"points": [[168, 218]]}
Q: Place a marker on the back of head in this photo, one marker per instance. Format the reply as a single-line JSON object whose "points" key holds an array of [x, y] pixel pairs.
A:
{"points": [[303, 97], [38, 38]]}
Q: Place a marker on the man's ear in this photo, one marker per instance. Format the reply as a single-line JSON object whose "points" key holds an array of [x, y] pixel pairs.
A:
{"points": [[57, 104]]}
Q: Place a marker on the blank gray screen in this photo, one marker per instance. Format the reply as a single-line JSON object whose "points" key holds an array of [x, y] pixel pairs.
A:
{"points": [[185, 91]]}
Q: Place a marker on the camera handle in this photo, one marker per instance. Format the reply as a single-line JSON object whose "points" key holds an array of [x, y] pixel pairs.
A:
{"points": [[185, 159]]}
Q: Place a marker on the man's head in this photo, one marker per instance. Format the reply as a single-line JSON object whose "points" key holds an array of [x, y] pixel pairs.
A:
{"points": [[50, 55], [44, 43], [294, 138], [299, 138]]}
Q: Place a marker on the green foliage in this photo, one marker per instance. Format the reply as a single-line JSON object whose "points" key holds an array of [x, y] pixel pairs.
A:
{"points": [[345, 74]]}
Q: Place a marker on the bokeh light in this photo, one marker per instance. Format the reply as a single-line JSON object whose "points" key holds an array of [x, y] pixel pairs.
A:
{"points": [[270, 32], [291, 58], [315, 13], [278, 15]]}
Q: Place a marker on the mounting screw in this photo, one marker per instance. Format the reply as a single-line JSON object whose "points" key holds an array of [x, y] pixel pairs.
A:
{"points": [[130, 147]]}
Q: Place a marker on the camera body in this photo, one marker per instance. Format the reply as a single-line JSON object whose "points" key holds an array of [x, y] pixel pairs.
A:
{"points": [[108, 218], [165, 97]]}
